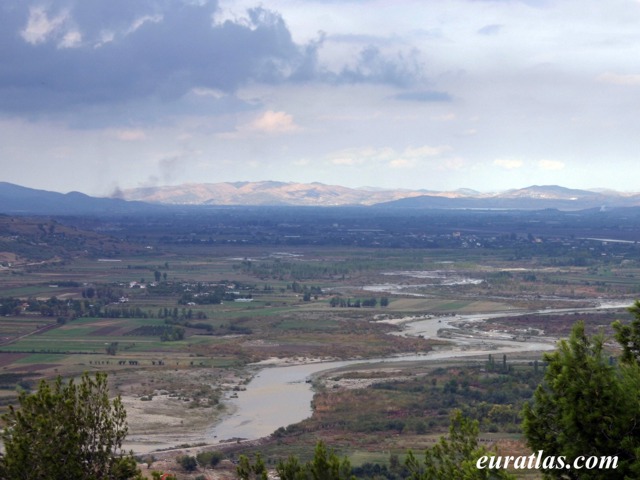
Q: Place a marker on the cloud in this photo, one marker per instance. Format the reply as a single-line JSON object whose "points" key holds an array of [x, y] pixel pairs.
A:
{"points": [[130, 135], [618, 79], [424, 96], [550, 165], [426, 151], [514, 164], [148, 49], [490, 30], [409, 157], [267, 123], [274, 122], [373, 66], [447, 117], [358, 156], [508, 163], [40, 27], [402, 163], [74, 55]]}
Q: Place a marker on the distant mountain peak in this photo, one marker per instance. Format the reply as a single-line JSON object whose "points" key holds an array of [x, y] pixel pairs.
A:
{"points": [[17, 199]]}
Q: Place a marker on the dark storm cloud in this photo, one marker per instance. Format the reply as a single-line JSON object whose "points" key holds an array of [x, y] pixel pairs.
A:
{"points": [[75, 53], [173, 47]]}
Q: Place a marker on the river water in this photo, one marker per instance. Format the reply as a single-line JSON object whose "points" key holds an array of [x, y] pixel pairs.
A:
{"points": [[279, 396]]}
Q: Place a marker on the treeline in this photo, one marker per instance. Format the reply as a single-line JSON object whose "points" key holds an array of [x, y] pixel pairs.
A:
{"points": [[291, 270], [67, 310], [202, 294], [165, 332], [180, 315], [357, 303], [451, 458]]}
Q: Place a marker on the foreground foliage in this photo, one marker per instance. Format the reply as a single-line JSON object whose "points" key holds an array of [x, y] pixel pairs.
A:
{"points": [[455, 458], [67, 431], [589, 405], [325, 465]]}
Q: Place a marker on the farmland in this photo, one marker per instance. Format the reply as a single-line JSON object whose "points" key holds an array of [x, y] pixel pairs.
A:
{"points": [[179, 321]]}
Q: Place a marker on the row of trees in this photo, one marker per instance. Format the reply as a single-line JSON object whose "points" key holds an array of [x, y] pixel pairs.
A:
{"points": [[357, 303]]}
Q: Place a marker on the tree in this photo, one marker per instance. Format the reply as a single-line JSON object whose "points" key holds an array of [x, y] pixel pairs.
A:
{"points": [[248, 471], [586, 406], [112, 348], [70, 431], [188, 462], [325, 465], [628, 336], [456, 457], [209, 459]]}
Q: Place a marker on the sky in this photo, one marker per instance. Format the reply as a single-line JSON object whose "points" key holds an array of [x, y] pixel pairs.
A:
{"points": [[104, 95]]}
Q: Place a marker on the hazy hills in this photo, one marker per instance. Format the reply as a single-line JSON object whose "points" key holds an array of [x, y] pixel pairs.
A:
{"points": [[318, 194], [265, 193], [22, 200], [16, 199]]}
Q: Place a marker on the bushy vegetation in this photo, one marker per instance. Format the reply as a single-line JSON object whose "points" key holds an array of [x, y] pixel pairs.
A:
{"points": [[67, 431], [421, 405], [588, 403]]}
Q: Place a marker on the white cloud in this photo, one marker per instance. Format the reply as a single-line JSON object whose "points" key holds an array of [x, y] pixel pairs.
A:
{"points": [[358, 156], [40, 27], [508, 163], [407, 158], [402, 163], [208, 92], [142, 20], [348, 161], [71, 39], [619, 79], [268, 123], [274, 122], [447, 117], [106, 36], [129, 135], [550, 165], [425, 151]]}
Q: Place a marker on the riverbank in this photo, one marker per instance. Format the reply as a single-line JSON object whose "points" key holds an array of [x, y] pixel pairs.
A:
{"points": [[280, 391]]}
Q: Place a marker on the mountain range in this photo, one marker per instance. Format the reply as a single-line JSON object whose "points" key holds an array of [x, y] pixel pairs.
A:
{"points": [[22, 200], [15, 199], [318, 194]]}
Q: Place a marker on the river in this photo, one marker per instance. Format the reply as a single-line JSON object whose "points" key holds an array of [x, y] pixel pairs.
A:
{"points": [[280, 396]]}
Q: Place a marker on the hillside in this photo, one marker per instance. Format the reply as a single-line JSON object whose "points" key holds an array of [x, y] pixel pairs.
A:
{"points": [[264, 193], [318, 194], [28, 240], [15, 199]]}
